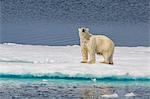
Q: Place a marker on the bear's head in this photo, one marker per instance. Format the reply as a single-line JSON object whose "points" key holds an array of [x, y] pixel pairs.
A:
{"points": [[84, 33], [83, 30]]}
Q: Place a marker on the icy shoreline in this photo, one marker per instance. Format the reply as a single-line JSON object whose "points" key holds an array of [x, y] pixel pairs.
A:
{"points": [[39, 60]]}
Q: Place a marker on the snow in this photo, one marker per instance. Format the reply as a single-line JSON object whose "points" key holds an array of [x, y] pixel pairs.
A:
{"points": [[37, 59]]}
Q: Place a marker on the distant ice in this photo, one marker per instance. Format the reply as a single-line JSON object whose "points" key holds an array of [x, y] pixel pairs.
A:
{"points": [[94, 79], [110, 96], [130, 94], [44, 80]]}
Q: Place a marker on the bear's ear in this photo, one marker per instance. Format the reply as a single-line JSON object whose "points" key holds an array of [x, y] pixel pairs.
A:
{"points": [[79, 29], [87, 29]]}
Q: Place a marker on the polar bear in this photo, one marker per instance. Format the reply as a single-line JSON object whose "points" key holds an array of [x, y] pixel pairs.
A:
{"points": [[95, 44]]}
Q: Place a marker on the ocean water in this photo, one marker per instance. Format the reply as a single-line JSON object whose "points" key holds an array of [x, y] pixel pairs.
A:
{"points": [[56, 88], [62, 34], [56, 22]]}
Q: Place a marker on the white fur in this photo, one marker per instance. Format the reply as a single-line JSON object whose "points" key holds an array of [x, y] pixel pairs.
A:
{"points": [[95, 44]]}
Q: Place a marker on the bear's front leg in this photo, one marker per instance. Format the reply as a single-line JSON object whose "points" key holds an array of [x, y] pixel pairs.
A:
{"points": [[92, 57], [84, 54]]}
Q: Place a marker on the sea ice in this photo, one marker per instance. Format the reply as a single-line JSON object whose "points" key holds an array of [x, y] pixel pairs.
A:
{"points": [[65, 60]]}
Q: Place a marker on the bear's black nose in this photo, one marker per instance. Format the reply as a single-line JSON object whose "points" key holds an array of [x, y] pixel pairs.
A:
{"points": [[83, 30]]}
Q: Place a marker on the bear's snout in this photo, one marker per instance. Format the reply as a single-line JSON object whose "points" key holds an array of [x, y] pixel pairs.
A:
{"points": [[83, 30]]}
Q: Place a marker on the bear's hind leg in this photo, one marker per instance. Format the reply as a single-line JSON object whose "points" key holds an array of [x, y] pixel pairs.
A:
{"points": [[106, 58], [111, 60]]}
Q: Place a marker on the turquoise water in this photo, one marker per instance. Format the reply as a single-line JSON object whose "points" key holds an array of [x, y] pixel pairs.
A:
{"points": [[79, 82], [87, 80]]}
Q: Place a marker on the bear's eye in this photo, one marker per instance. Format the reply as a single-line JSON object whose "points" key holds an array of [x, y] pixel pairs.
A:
{"points": [[83, 30]]}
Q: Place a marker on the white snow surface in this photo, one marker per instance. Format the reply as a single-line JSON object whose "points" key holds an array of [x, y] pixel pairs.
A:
{"points": [[38, 59]]}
